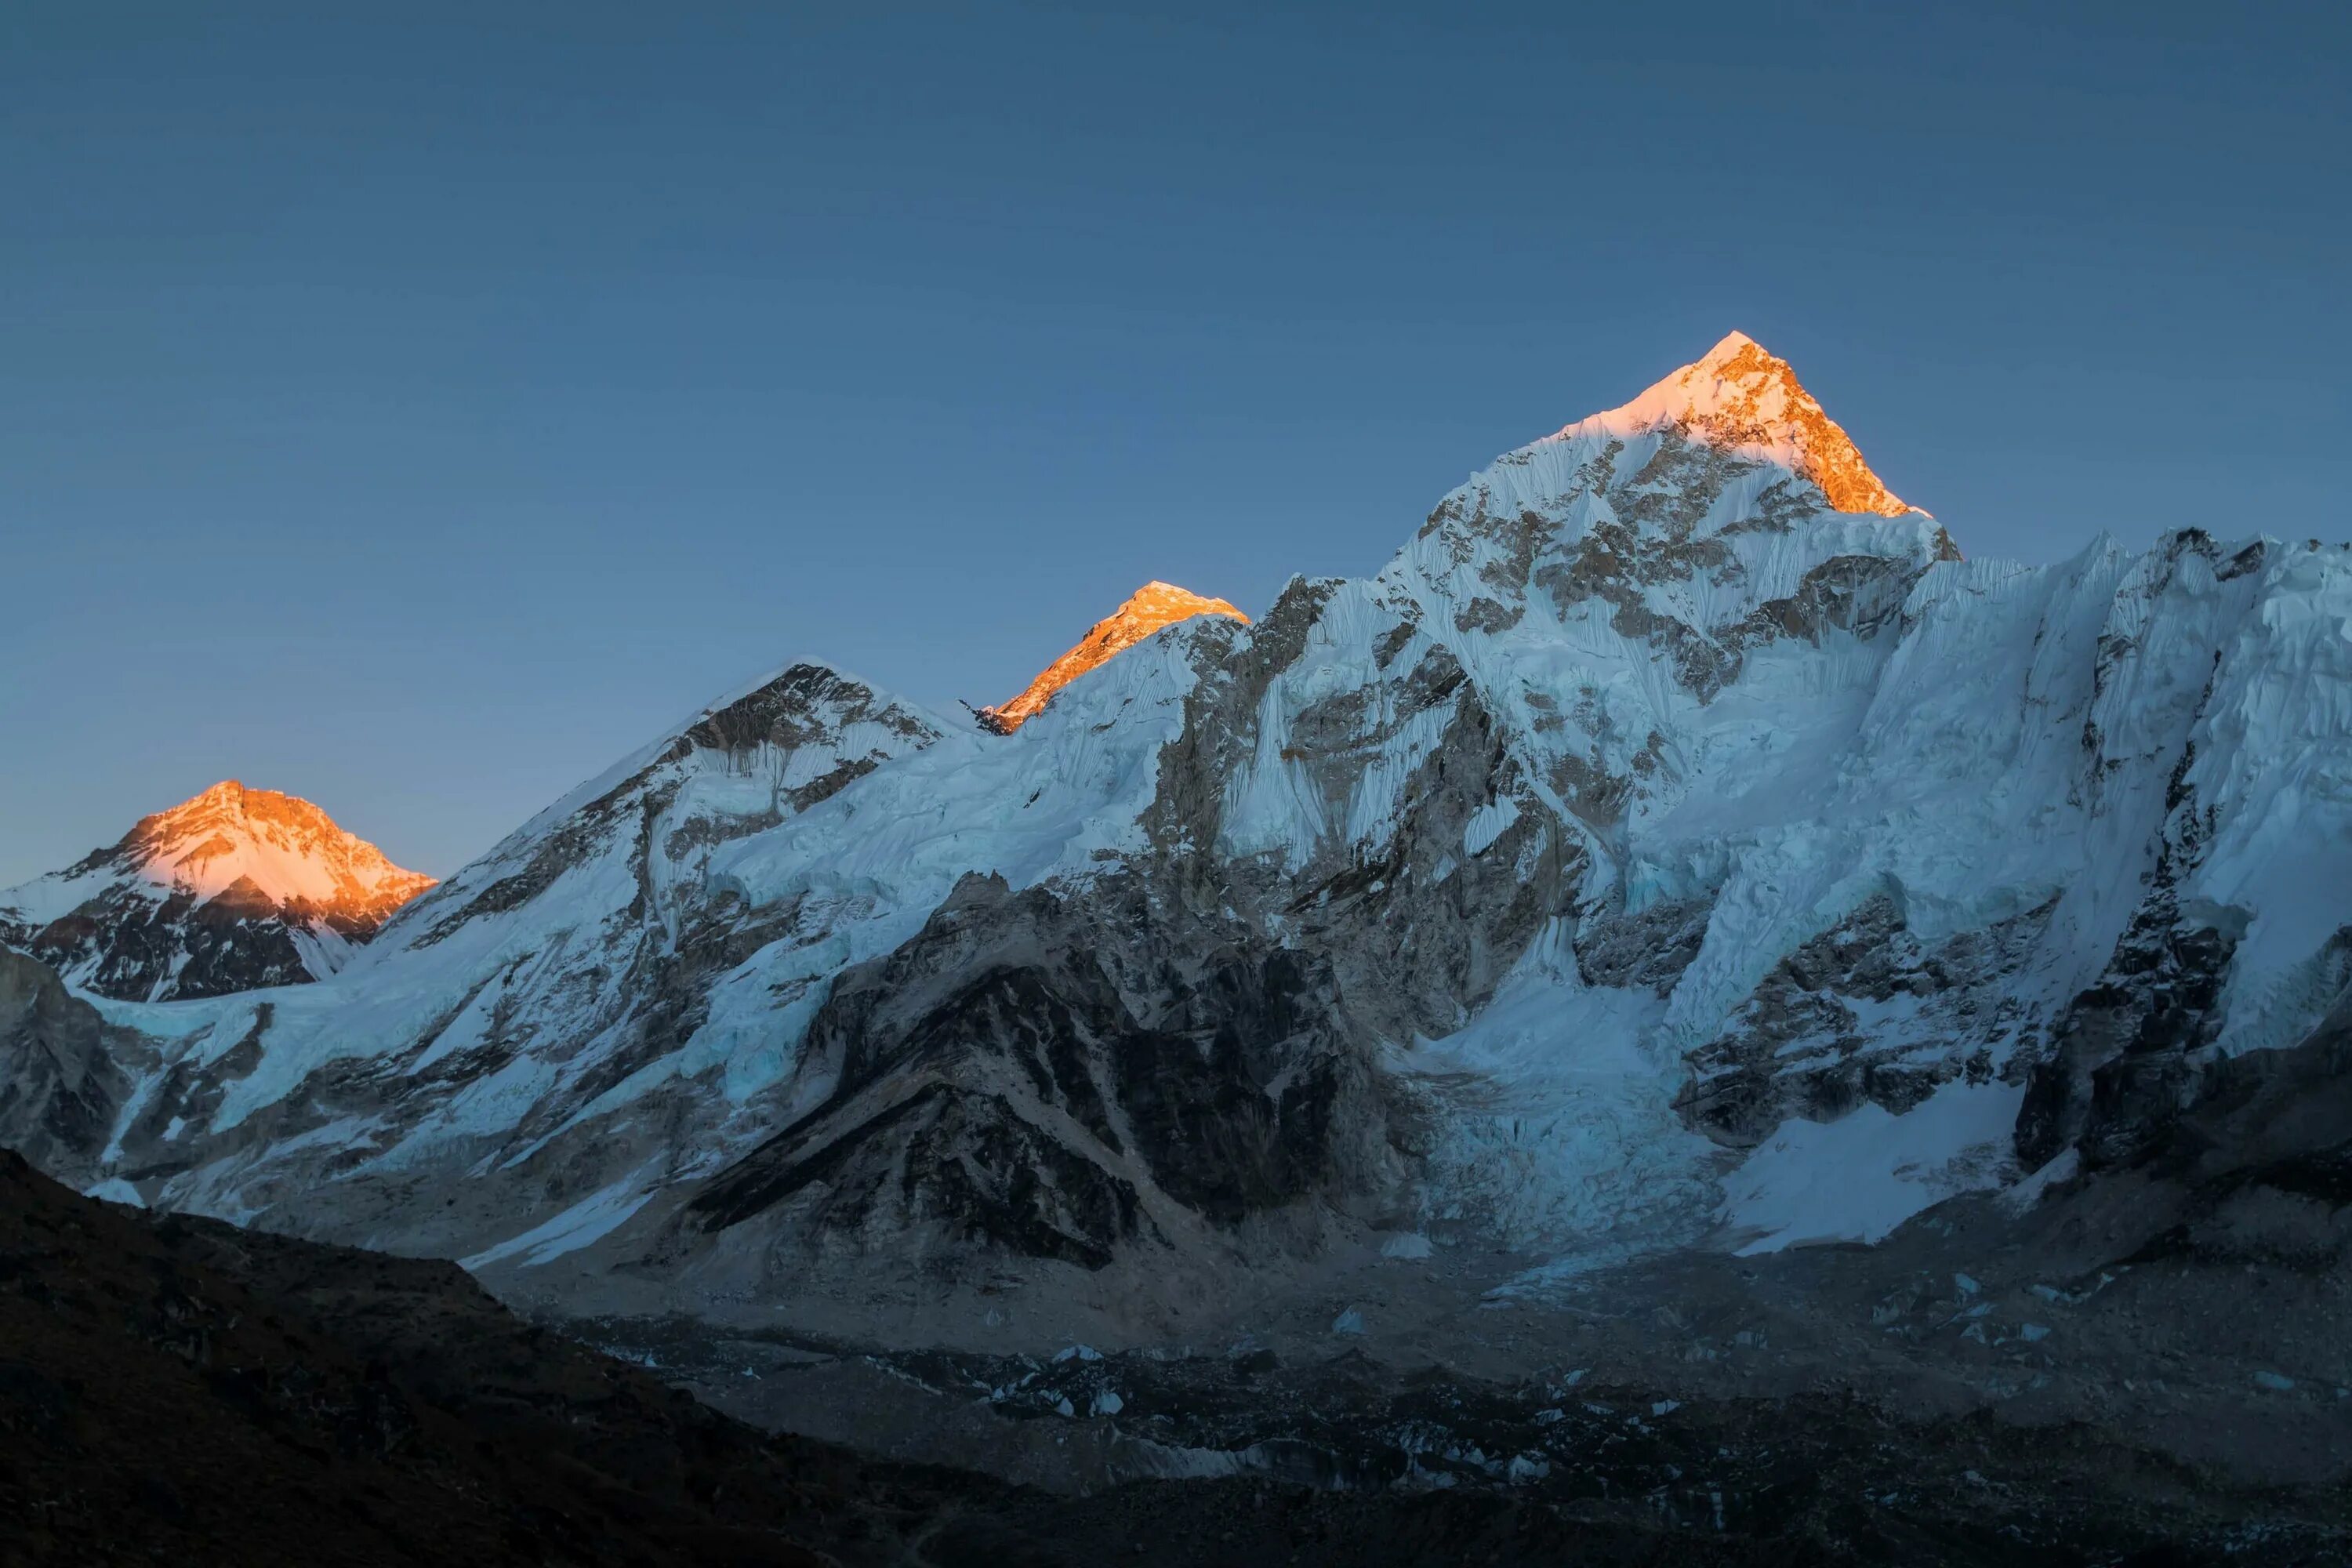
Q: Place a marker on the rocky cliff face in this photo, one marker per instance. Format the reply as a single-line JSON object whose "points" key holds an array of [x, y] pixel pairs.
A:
{"points": [[1676, 839], [232, 890], [68, 1072]]}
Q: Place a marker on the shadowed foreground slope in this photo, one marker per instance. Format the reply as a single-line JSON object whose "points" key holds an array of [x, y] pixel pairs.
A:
{"points": [[175, 1385], [174, 1389]]}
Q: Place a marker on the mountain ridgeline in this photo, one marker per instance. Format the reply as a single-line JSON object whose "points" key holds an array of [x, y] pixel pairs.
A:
{"points": [[1677, 840]]}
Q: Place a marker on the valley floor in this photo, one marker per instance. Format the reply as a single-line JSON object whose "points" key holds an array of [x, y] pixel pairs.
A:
{"points": [[173, 1388], [1833, 1404], [2145, 1366]]}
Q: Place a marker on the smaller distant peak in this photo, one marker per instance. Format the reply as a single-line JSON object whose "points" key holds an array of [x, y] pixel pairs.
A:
{"points": [[286, 846], [1149, 608], [1742, 397], [1156, 598]]}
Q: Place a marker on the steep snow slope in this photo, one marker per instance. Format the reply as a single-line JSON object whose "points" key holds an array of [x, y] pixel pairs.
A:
{"points": [[1651, 849], [233, 888]]}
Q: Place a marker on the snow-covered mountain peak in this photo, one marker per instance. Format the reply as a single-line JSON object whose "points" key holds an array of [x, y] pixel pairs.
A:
{"points": [[1741, 397], [1147, 610], [617, 845], [1660, 809], [282, 844], [231, 888], [1718, 513]]}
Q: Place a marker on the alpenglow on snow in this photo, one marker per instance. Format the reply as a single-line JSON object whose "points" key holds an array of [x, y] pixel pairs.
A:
{"points": [[230, 889], [1677, 840]]}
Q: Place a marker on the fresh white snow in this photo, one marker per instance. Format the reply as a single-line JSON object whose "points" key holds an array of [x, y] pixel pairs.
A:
{"points": [[1977, 742], [1857, 1178]]}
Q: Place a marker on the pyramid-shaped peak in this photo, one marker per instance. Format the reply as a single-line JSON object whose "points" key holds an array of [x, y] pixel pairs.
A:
{"points": [[1742, 396], [230, 800], [1147, 610], [1157, 597], [287, 846], [1735, 342], [230, 889]]}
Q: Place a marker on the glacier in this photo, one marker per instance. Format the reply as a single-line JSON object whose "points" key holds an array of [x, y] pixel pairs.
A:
{"points": [[1678, 842]]}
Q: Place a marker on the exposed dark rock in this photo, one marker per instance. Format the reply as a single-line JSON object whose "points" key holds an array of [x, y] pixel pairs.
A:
{"points": [[140, 942], [61, 1078], [1486, 616], [1649, 949], [992, 1080], [1801, 1046], [2126, 1055]]}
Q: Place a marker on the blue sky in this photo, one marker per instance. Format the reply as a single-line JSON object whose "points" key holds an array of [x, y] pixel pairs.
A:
{"points": [[415, 413]]}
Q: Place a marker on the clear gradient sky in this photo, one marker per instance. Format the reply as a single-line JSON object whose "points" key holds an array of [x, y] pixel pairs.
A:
{"points": [[416, 410]]}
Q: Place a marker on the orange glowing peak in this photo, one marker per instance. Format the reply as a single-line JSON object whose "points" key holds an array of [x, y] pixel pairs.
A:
{"points": [[1742, 397], [1147, 610], [286, 847]]}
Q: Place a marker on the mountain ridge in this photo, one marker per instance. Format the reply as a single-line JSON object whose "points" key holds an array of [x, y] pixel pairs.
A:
{"points": [[1653, 854]]}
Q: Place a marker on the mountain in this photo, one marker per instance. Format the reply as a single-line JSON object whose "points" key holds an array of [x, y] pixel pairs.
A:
{"points": [[229, 891], [1677, 846], [1741, 399], [1147, 610]]}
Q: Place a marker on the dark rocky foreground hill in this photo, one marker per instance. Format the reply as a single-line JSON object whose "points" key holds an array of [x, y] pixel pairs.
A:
{"points": [[173, 1389]]}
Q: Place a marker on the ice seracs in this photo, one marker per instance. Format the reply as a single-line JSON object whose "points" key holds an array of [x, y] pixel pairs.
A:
{"points": [[1145, 611], [232, 888]]}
